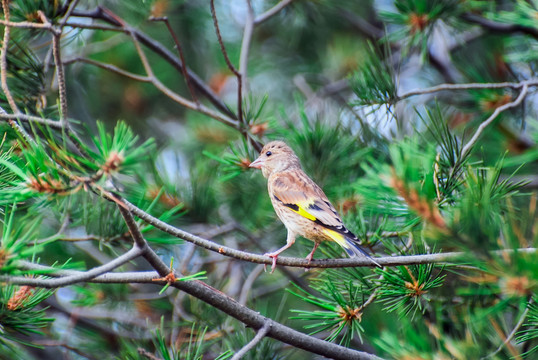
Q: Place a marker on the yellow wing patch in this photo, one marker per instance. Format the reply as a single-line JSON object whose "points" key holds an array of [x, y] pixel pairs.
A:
{"points": [[301, 211]]}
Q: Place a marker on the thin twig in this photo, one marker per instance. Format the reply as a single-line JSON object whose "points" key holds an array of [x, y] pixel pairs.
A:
{"points": [[147, 354], [220, 301], [271, 12], [245, 45], [181, 56], [25, 25], [173, 95], [3, 79], [249, 281], [90, 274], [513, 332], [30, 118], [109, 67], [3, 60], [469, 86], [65, 346], [60, 78], [229, 63], [260, 334], [492, 117], [157, 48], [493, 26]]}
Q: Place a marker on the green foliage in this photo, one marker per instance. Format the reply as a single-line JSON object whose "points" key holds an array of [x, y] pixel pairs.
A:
{"points": [[374, 81], [312, 137], [406, 288], [417, 18], [329, 70], [26, 80], [235, 163], [341, 312], [193, 348], [523, 13], [529, 331], [120, 152], [18, 239], [17, 313], [450, 161], [478, 215], [27, 10]]}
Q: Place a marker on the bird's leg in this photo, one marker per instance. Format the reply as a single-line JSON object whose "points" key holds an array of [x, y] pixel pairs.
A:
{"points": [[311, 255], [289, 242]]}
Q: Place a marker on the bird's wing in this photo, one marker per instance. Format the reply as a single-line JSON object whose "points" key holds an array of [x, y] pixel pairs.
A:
{"points": [[298, 192]]}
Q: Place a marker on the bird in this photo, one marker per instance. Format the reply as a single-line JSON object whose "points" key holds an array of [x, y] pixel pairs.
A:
{"points": [[301, 204]]}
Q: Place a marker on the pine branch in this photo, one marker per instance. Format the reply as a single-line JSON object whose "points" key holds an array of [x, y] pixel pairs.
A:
{"points": [[220, 301], [513, 332], [260, 334], [294, 262], [469, 86], [467, 148], [99, 14], [271, 12]]}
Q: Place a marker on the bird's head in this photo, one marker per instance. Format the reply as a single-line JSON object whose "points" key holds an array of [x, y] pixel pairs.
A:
{"points": [[276, 156]]}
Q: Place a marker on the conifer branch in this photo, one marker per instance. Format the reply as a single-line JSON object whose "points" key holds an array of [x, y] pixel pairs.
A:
{"points": [[31, 118], [513, 332], [260, 334], [222, 302], [467, 148], [229, 63], [295, 262], [271, 12], [469, 86], [181, 56], [99, 14], [245, 46]]}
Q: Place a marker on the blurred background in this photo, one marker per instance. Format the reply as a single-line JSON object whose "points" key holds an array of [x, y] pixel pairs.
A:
{"points": [[332, 79]]}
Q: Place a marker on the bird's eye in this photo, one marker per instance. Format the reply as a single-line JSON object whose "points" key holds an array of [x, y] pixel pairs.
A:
{"points": [[268, 153]]}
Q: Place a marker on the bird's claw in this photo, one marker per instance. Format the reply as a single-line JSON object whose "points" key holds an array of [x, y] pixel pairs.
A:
{"points": [[273, 266]]}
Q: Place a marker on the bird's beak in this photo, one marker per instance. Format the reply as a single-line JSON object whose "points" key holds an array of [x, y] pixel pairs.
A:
{"points": [[257, 164]]}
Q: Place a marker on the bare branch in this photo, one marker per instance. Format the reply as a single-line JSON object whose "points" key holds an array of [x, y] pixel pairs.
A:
{"points": [[259, 337], [77, 277], [513, 332], [247, 284], [30, 118], [181, 56], [159, 85], [3, 78], [25, 25], [111, 68], [222, 302], [3, 60], [157, 48], [271, 12], [229, 63], [469, 86], [60, 76], [245, 46], [492, 117]]}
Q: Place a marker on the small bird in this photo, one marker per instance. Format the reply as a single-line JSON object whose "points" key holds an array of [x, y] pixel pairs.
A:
{"points": [[301, 204]]}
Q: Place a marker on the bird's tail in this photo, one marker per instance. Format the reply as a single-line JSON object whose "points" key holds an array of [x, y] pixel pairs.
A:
{"points": [[350, 243], [353, 249]]}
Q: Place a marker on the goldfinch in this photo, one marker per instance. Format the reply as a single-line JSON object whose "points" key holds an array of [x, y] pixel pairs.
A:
{"points": [[300, 203]]}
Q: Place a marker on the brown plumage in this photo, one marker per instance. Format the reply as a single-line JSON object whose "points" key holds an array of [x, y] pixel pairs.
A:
{"points": [[300, 203]]}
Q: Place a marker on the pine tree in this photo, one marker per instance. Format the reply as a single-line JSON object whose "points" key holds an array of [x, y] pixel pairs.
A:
{"points": [[133, 228]]}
